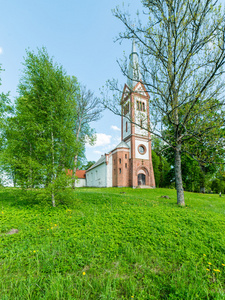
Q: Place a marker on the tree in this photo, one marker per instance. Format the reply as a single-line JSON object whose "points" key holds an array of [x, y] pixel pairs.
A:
{"points": [[40, 136], [182, 51], [88, 165], [88, 110], [4, 109]]}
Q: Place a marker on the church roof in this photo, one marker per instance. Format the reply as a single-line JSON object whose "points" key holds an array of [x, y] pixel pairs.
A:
{"points": [[80, 174], [134, 74], [99, 162], [122, 145]]}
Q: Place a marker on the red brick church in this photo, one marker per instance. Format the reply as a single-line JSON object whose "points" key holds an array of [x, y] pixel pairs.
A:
{"points": [[130, 163]]}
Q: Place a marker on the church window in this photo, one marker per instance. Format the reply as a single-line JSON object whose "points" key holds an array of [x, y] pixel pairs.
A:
{"points": [[120, 171], [125, 155], [126, 165], [143, 106], [126, 126], [142, 149], [120, 160]]}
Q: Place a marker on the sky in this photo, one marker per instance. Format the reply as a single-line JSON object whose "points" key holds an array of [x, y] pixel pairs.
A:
{"points": [[80, 36]]}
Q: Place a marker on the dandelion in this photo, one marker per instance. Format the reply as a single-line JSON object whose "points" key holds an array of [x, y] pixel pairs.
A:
{"points": [[84, 273], [55, 225], [207, 269], [209, 263], [223, 265], [204, 255], [34, 251], [216, 270]]}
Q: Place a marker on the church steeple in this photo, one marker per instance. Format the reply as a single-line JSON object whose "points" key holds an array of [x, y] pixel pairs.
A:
{"points": [[134, 74]]}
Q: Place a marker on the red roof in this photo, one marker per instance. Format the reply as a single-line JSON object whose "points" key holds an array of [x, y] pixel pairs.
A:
{"points": [[81, 174]]}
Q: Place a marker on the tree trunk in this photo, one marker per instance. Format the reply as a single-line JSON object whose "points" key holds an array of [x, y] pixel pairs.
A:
{"points": [[53, 165], [74, 172], [53, 198], [178, 177]]}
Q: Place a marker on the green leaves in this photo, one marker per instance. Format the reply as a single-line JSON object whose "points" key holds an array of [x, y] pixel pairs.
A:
{"points": [[41, 140]]}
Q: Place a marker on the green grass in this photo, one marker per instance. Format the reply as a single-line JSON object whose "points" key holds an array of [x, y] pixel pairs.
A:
{"points": [[112, 244]]}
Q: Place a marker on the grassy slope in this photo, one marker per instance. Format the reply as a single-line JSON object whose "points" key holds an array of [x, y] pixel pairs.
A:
{"points": [[113, 244]]}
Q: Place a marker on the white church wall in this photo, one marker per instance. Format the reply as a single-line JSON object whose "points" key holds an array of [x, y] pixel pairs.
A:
{"points": [[139, 155], [129, 144], [128, 132], [109, 172], [81, 182], [97, 177]]}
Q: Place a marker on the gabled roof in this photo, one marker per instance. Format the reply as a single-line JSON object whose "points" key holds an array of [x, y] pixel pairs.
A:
{"points": [[99, 162]]}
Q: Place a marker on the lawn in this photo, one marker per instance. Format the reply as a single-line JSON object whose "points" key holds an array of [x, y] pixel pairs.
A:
{"points": [[115, 243]]}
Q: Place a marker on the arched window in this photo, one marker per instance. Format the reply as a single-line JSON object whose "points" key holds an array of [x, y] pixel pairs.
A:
{"points": [[143, 106], [126, 126]]}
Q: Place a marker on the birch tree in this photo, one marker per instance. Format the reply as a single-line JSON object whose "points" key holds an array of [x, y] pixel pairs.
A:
{"points": [[40, 136], [182, 56]]}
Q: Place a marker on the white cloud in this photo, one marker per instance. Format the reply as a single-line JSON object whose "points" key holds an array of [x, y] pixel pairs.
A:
{"points": [[115, 128], [98, 152], [102, 139], [1, 50]]}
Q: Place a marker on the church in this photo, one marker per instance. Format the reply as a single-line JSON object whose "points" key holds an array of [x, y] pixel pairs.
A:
{"points": [[130, 163]]}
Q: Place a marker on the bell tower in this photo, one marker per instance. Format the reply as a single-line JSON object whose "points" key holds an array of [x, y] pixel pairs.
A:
{"points": [[135, 125]]}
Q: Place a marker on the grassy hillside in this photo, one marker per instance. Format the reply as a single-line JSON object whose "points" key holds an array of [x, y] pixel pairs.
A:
{"points": [[112, 244]]}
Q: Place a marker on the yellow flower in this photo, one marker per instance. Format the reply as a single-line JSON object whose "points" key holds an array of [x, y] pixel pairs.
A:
{"points": [[209, 263], [84, 273], [34, 251], [204, 255], [223, 265], [55, 225], [207, 269], [2, 212]]}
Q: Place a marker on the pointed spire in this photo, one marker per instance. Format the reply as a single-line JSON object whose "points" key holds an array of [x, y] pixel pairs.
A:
{"points": [[134, 75]]}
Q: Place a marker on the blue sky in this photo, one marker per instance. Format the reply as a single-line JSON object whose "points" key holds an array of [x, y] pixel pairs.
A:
{"points": [[80, 36]]}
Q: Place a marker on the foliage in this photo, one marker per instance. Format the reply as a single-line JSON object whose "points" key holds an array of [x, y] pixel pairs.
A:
{"points": [[5, 108], [112, 244], [161, 170], [88, 165], [41, 141]]}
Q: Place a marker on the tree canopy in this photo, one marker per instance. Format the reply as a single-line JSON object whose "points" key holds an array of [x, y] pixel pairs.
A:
{"points": [[182, 57], [40, 135]]}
